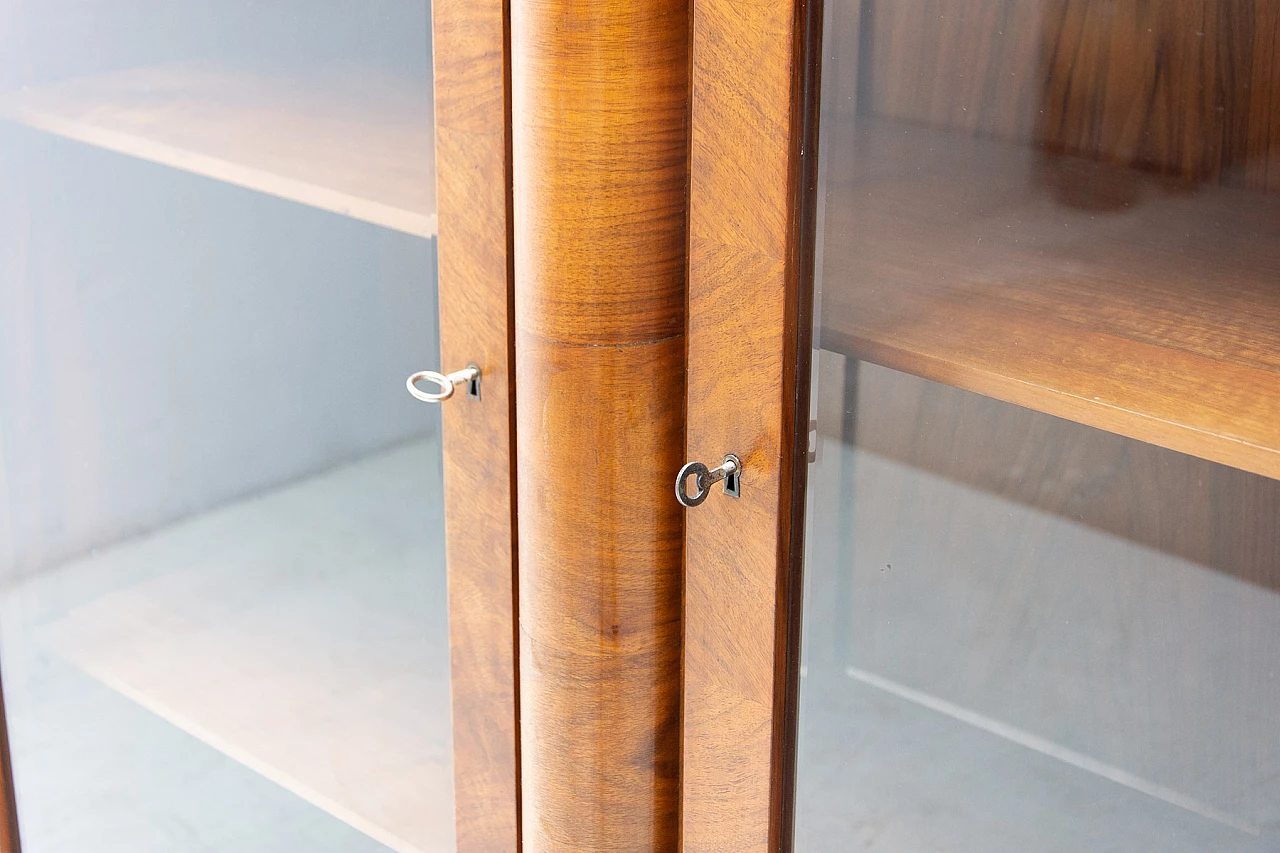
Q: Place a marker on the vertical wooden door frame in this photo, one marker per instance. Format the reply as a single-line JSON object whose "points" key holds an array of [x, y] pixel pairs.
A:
{"points": [[749, 250], [473, 176], [751, 234]]}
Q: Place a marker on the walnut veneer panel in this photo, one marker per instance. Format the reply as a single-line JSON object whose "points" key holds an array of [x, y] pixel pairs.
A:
{"points": [[353, 141], [1181, 87], [599, 151], [475, 326], [1223, 518], [747, 344], [1084, 290]]}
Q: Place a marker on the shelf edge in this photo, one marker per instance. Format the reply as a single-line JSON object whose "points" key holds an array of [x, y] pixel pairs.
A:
{"points": [[237, 174]]}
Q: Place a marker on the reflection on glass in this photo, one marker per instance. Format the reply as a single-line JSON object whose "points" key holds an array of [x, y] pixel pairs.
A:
{"points": [[1042, 606], [223, 619]]}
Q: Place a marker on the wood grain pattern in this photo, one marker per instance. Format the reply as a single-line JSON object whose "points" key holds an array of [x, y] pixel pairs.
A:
{"points": [[473, 166], [1170, 87], [1181, 87], [746, 339], [355, 142], [599, 149], [1083, 290], [964, 66], [1262, 145], [1035, 570], [1223, 518]]}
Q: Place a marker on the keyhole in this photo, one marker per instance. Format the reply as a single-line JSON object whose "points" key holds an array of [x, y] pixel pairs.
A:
{"points": [[732, 484]]}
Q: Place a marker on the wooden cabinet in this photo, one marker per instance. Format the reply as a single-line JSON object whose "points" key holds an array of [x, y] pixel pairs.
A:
{"points": [[982, 296]]}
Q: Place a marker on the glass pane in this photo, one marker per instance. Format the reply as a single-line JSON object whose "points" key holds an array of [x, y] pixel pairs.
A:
{"points": [[1042, 568], [223, 618]]}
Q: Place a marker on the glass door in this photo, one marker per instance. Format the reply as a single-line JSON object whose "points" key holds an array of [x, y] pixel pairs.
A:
{"points": [[1042, 556], [224, 618]]}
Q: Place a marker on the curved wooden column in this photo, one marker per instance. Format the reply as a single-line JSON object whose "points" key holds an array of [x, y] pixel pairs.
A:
{"points": [[600, 169]]}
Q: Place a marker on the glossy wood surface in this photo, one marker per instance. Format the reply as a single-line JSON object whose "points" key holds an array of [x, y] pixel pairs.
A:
{"points": [[599, 133], [746, 341], [1184, 88], [1083, 290], [1223, 517], [1068, 205], [473, 162], [353, 141]]}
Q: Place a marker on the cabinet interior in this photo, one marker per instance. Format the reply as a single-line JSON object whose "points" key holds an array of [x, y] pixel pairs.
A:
{"points": [[1067, 205], [221, 524], [1042, 564], [317, 105]]}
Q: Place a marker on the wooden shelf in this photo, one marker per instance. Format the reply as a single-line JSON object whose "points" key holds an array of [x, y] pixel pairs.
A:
{"points": [[349, 140], [301, 632], [1087, 291]]}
